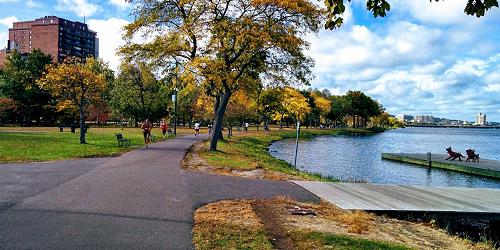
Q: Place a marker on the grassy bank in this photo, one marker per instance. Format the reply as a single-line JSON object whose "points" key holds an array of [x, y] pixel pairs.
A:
{"points": [[28, 144], [249, 152], [268, 224]]}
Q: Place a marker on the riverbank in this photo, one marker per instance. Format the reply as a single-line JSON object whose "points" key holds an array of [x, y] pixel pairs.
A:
{"points": [[272, 224], [246, 154]]}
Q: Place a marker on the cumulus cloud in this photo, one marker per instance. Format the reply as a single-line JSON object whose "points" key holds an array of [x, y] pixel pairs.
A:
{"points": [[122, 4], [110, 33], [79, 7], [413, 67], [32, 4], [5, 23]]}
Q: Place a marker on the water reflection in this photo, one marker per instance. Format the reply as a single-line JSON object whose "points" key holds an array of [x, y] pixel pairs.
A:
{"points": [[358, 157]]}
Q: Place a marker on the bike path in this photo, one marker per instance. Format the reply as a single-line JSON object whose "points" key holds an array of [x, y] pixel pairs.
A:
{"points": [[142, 199]]}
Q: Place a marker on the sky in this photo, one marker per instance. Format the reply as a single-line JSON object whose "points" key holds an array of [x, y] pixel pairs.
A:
{"points": [[423, 58]]}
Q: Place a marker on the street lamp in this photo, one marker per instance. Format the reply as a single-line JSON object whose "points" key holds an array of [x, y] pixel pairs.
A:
{"points": [[297, 144], [174, 99]]}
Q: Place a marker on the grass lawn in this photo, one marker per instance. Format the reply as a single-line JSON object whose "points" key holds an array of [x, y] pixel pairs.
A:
{"points": [[249, 151], [28, 144], [311, 240]]}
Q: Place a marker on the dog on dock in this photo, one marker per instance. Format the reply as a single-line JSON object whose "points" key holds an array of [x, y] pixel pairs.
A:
{"points": [[453, 155], [471, 155]]}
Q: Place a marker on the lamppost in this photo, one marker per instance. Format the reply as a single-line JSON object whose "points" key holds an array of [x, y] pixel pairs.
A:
{"points": [[174, 97], [297, 144]]}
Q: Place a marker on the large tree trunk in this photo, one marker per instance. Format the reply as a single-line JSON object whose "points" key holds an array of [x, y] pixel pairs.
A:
{"points": [[82, 126], [219, 115], [216, 107]]}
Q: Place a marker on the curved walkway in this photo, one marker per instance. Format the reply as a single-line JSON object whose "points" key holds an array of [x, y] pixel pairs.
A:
{"points": [[141, 199]]}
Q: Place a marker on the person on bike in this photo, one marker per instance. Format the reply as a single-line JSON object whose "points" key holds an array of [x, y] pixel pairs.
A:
{"points": [[146, 130]]}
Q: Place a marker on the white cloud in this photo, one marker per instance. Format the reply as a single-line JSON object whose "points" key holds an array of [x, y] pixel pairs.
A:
{"points": [[442, 12], [4, 33], [32, 4], [79, 7], [110, 33], [122, 4], [7, 21], [469, 66], [8, 1]]}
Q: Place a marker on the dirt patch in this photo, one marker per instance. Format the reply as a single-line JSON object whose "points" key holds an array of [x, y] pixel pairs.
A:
{"points": [[194, 162], [273, 217], [229, 225], [284, 229]]}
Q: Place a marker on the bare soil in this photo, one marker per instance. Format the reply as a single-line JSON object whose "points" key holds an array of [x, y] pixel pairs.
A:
{"points": [[278, 223]]}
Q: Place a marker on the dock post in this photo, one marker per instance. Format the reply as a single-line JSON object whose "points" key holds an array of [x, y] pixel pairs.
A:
{"points": [[429, 159]]}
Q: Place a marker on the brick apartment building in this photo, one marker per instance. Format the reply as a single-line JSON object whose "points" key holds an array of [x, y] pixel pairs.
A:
{"points": [[52, 35]]}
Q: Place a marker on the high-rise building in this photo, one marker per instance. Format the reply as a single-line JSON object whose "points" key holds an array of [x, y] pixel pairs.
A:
{"points": [[404, 118], [52, 35], [424, 119], [480, 119]]}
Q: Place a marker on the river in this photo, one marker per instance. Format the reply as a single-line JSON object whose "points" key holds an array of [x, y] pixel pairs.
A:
{"points": [[358, 157]]}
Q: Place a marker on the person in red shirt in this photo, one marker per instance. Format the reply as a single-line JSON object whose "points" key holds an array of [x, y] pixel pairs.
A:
{"points": [[164, 128], [146, 130]]}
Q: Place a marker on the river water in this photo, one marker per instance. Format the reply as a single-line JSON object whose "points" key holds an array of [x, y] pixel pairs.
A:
{"points": [[358, 157]]}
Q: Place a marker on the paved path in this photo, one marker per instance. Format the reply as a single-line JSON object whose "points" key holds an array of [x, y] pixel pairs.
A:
{"points": [[375, 197], [141, 199]]}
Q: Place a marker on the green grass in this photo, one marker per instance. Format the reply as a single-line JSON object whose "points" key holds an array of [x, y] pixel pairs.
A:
{"points": [[228, 236], [249, 151], [44, 144], [317, 240]]}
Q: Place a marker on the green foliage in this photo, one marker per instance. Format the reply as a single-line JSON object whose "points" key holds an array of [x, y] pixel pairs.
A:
{"points": [[18, 83], [244, 43], [136, 93], [76, 84], [379, 8]]}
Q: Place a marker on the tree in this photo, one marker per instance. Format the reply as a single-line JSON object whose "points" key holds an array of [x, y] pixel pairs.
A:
{"points": [[359, 105], [337, 110], [379, 8], [76, 84], [270, 101], [138, 94], [18, 82], [229, 45], [7, 106], [323, 105], [294, 105]]}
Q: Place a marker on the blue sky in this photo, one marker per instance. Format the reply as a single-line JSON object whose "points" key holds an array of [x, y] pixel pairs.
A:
{"points": [[423, 58]]}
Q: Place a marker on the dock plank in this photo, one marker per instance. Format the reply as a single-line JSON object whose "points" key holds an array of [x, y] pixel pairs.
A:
{"points": [[485, 167], [376, 197]]}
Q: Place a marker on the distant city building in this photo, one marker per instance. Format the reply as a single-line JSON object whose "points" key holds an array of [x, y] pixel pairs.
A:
{"points": [[52, 35], [404, 118], [424, 119], [480, 119]]}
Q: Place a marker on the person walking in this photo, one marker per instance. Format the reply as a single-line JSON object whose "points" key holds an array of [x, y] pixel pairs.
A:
{"points": [[146, 130], [246, 126], [209, 128], [196, 129], [164, 127]]}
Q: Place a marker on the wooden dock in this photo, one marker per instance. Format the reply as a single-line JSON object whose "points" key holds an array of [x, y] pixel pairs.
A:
{"points": [[398, 198], [484, 167]]}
